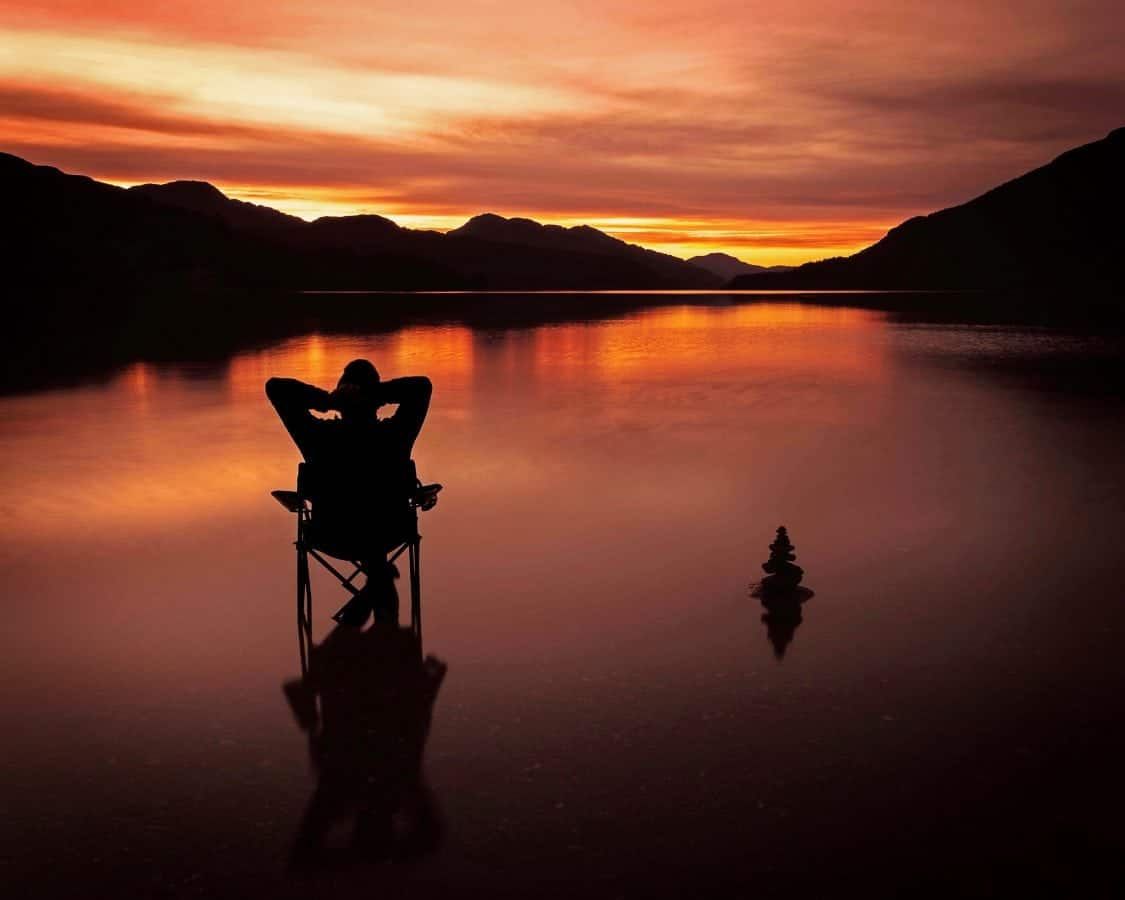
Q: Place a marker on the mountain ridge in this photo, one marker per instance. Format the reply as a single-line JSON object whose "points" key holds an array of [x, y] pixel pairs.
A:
{"points": [[726, 266], [576, 238], [248, 243], [204, 197], [1055, 226]]}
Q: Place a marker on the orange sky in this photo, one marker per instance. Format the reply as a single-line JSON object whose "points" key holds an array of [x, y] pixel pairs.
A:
{"points": [[779, 131]]}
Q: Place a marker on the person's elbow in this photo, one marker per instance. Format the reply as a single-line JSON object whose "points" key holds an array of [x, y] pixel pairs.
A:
{"points": [[417, 387], [279, 390]]}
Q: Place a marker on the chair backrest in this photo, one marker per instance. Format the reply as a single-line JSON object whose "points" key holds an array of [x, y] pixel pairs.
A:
{"points": [[305, 479], [312, 481]]}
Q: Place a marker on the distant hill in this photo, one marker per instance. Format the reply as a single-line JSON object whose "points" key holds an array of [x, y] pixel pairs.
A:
{"points": [[1058, 226], [78, 237], [673, 271], [101, 234], [94, 271], [727, 267], [527, 232], [476, 255], [201, 197]]}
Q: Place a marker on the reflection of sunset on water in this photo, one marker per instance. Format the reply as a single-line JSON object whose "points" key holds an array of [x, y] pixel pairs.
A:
{"points": [[693, 341], [444, 352], [210, 458], [645, 346], [610, 490]]}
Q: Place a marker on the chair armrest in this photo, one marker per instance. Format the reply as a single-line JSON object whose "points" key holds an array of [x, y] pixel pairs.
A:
{"points": [[291, 500], [425, 496]]}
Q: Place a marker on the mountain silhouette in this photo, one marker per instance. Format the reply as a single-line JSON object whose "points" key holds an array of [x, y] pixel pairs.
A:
{"points": [[201, 197], [528, 232], [97, 272], [358, 232], [262, 246], [727, 267], [1058, 226], [673, 271]]}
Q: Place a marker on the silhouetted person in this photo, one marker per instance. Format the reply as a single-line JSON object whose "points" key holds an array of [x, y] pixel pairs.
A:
{"points": [[361, 470], [366, 702]]}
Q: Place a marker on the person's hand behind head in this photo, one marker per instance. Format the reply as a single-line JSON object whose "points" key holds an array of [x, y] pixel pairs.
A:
{"points": [[343, 392], [346, 397], [355, 400]]}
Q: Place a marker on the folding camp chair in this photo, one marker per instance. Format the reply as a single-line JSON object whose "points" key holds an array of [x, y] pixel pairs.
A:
{"points": [[407, 539]]}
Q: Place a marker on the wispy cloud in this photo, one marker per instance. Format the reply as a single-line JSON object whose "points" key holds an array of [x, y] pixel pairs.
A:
{"points": [[781, 131]]}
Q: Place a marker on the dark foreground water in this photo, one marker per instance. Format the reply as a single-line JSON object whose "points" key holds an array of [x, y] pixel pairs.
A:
{"points": [[617, 719]]}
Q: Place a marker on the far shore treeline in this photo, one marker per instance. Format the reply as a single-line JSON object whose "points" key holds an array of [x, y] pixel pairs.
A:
{"points": [[97, 273]]}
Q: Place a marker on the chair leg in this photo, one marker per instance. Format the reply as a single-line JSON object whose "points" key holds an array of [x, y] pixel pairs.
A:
{"points": [[304, 603], [416, 588]]}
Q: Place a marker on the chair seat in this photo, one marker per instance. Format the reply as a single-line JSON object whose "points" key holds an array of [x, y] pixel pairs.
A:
{"points": [[358, 543], [425, 498]]}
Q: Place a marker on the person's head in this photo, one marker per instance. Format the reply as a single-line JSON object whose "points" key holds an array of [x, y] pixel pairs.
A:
{"points": [[357, 391]]}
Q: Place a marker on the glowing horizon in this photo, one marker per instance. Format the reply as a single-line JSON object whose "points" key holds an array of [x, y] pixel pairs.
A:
{"points": [[784, 243], [776, 132]]}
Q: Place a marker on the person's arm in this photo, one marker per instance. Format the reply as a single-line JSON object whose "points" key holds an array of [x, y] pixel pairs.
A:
{"points": [[412, 394], [293, 399]]}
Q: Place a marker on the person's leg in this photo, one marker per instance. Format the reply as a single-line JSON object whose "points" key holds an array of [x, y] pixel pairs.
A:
{"points": [[384, 594], [357, 610], [315, 824], [378, 536], [378, 595]]}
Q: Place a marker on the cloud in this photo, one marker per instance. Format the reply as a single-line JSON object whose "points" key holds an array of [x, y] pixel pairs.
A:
{"points": [[812, 125], [123, 110]]}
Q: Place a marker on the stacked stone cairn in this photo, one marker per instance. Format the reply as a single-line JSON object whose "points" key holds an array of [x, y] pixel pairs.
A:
{"points": [[782, 574]]}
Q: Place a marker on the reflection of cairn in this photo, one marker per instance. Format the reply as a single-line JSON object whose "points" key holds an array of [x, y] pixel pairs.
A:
{"points": [[782, 574], [781, 619]]}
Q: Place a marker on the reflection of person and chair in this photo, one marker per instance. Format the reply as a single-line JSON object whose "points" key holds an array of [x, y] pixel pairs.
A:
{"points": [[365, 697], [366, 700]]}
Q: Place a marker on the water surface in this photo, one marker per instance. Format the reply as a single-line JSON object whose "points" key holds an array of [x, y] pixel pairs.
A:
{"points": [[617, 718]]}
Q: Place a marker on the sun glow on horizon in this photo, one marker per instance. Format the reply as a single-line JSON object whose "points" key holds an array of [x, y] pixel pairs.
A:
{"points": [[776, 132], [758, 242]]}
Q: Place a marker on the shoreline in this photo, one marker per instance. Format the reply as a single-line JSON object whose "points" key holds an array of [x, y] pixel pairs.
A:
{"points": [[216, 324]]}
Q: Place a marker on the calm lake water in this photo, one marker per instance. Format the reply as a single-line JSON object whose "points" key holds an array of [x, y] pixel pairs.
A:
{"points": [[615, 719]]}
